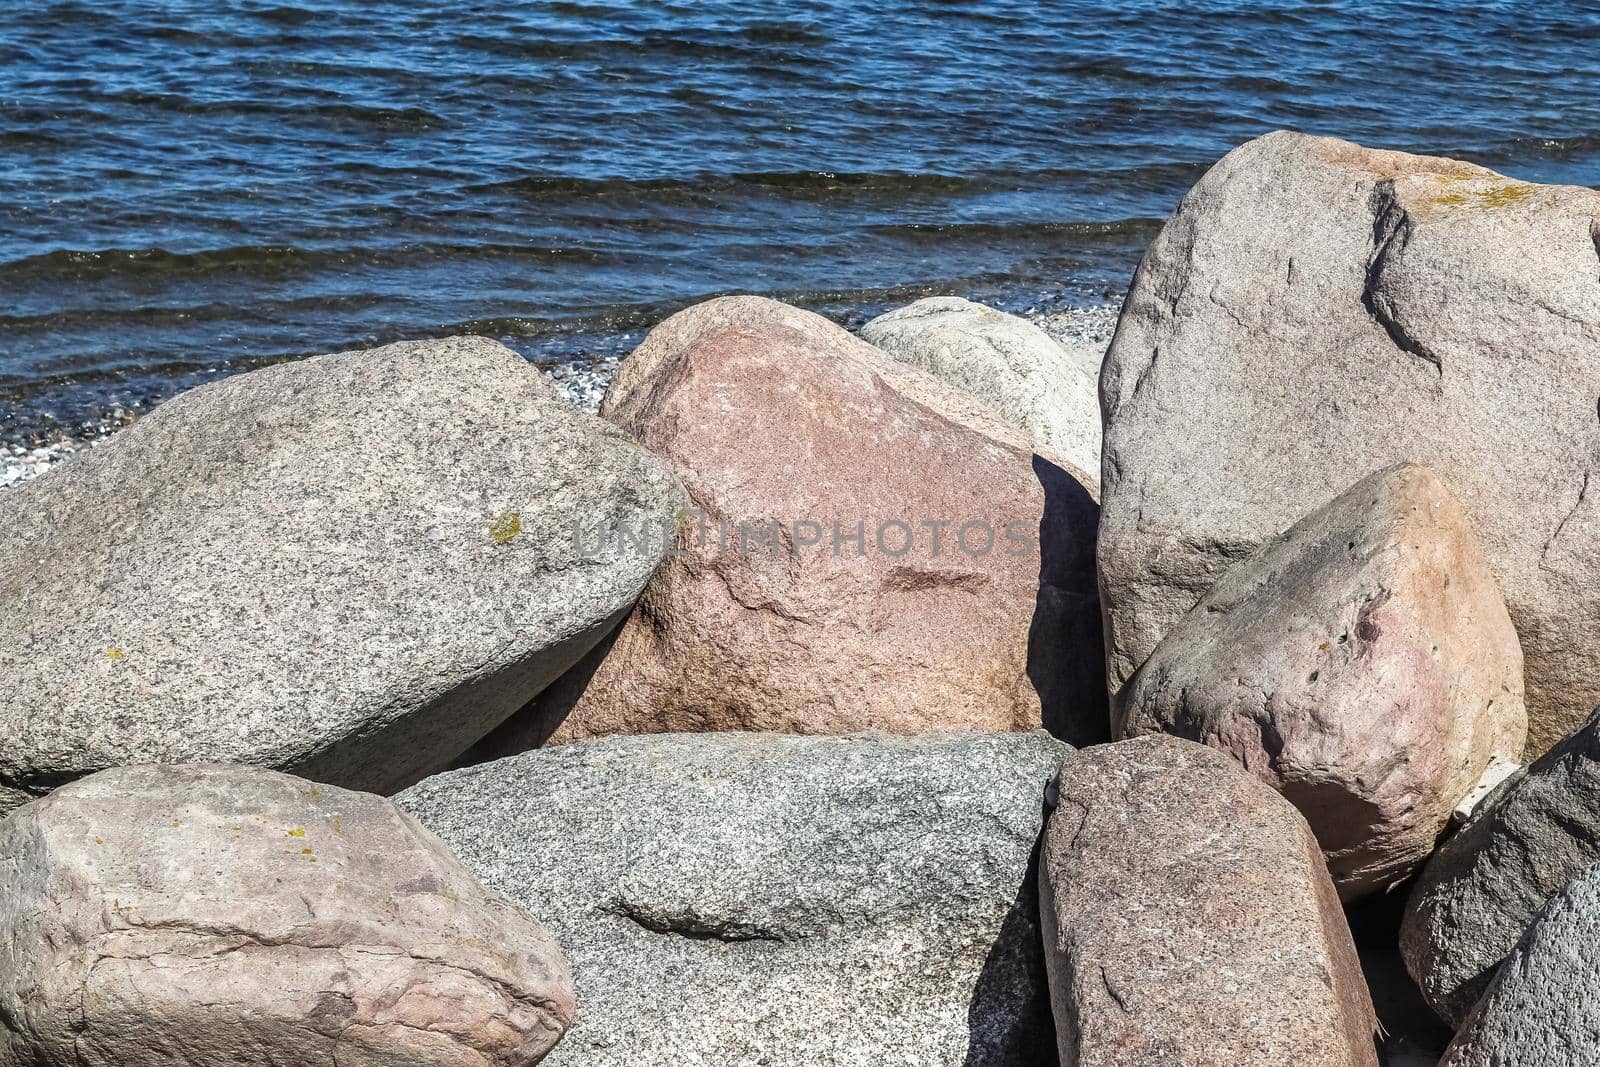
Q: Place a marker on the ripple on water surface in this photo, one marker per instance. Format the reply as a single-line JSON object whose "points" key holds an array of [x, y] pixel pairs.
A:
{"points": [[192, 188]]}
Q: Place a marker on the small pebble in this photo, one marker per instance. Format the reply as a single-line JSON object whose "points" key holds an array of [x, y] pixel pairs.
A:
{"points": [[29, 461], [584, 383]]}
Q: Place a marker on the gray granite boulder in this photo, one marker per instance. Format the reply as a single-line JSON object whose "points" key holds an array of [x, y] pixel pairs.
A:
{"points": [[1363, 664], [1188, 919], [1479, 893], [209, 916], [352, 567], [745, 898], [1544, 1004], [1029, 381], [1315, 311]]}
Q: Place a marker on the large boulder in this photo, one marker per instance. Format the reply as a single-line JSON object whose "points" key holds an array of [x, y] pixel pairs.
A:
{"points": [[210, 916], [353, 566], [1479, 893], [771, 899], [1544, 1004], [869, 550], [1188, 918], [1315, 311], [1029, 381], [1362, 663]]}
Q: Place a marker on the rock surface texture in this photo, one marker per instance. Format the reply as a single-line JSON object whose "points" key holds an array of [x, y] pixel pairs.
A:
{"points": [[1188, 919], [1363, 664], [770, 899], [966, 600], [353, 567], [1479, 893], [1315, 311], [1029, 381], [208, 916], [1544, 1004]]}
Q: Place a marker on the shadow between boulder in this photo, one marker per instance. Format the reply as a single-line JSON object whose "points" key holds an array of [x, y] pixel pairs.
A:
{"points": [[1009, 1019], [533, 725], [1066, 645]]}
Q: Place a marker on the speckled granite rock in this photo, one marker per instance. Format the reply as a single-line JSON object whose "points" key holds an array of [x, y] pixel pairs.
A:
{"points": [[1482, 889], [1362, 663], [1028, 380], [204, 916], [743, 899], [1188, 919], [1315, 311], [1543, 1007], [966, 600], [353, 566]]}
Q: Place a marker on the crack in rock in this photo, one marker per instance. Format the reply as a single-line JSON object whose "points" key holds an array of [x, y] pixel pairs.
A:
{"points": [[693, 927], [1391, 232]]}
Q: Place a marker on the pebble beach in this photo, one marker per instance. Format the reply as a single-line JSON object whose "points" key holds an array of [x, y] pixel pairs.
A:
{"points": [[583, 382]]}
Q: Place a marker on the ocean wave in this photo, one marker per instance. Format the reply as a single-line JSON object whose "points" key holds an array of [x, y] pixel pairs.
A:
{"points": [[1577, 146], [156, 316], [410, 119], [956, 234], [266, 262], [826, 185]]}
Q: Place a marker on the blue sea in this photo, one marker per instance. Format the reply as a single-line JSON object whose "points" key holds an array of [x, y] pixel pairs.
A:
{"points": [[194, 187]]}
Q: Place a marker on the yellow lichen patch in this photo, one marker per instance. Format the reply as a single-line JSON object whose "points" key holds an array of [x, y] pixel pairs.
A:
{"points": [[314, 794], [337, 827], [305, 852], [99, 841], [296, 832], [1462, 191], [506, 527], [1504, 195], [116, 653], [176, 823]]}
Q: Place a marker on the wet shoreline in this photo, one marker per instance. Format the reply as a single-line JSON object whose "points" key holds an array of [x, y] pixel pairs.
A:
{"points": [[33, 447]]}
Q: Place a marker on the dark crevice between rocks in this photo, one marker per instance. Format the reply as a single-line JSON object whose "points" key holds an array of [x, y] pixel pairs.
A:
{"points": [[1005, 1029], [39, 784], [1411, 1031], [1066, 663], [533, 724]]}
